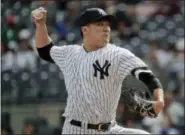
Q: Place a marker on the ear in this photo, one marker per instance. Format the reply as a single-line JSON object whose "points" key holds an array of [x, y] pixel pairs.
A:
{"points": [[84, 30]]}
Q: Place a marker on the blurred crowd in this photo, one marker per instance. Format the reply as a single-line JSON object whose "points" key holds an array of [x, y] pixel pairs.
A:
{"points": [[153, 30]]}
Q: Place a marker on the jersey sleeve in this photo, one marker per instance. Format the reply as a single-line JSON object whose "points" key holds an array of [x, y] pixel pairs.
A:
{"points": [[129, 62], [59, 54]]}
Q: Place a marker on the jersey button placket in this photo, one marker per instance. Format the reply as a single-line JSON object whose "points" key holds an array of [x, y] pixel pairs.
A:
{"points": [[80, 79]]}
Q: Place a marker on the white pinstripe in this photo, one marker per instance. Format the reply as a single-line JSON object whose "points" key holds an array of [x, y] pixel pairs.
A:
{"points": [[91, 99]]}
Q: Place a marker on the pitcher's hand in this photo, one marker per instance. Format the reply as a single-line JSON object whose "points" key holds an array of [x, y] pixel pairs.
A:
{"points": [[39, 16], [156, 109]]}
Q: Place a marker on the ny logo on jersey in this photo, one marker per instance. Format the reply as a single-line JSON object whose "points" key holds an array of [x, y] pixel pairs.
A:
{"points": [[103, 70]]}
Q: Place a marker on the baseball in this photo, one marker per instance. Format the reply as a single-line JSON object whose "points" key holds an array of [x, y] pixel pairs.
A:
{"points": [[37, 13]]}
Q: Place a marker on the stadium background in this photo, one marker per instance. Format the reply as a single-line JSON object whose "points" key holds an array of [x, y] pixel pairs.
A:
{"points": [[33, 93]]}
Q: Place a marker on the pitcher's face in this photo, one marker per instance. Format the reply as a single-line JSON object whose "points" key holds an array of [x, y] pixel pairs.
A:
{"points": [[98, 32]]}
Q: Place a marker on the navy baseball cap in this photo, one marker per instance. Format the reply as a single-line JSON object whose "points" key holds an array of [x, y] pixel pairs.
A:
{"points": [[91, 15]]}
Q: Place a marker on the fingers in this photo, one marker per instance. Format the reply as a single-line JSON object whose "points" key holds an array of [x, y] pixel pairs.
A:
{"points": [[43, 10], [39, 14], [149, 114], [149, 111]]}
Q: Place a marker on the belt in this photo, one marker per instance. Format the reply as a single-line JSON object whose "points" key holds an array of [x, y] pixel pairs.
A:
{"points": [[99, 127]]}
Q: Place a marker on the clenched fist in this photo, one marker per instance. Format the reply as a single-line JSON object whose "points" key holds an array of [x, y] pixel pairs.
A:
{"points": [[39, 16]]}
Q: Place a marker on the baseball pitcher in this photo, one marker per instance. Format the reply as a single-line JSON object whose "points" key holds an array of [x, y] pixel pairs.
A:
{"points": [[94, 72]]}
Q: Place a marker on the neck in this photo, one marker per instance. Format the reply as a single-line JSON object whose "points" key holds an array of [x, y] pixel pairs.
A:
{"points": [[90, 46]]}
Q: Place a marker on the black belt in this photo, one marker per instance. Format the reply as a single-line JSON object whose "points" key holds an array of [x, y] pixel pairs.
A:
{"points": [[99, 127]]}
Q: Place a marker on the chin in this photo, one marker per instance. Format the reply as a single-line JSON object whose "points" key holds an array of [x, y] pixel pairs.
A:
{"points": [[105, 42]]}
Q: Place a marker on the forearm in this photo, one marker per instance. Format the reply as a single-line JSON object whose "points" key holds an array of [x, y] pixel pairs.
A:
{"points": [[42, 37], [158, 94]]}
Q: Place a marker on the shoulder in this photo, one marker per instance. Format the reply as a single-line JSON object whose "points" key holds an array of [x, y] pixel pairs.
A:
{"points": [[73, 47], [120, 50], [67, 47]]}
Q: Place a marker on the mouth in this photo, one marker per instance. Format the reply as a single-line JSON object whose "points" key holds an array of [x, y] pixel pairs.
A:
{"points": [[106, 35]]}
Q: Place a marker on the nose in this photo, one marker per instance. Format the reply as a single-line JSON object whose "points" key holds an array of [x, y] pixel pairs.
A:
{"points": [[106, 26], [106, 31]]}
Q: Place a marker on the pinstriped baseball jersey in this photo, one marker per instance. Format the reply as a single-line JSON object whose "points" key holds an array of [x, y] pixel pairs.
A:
{"points": [[93, 79]]}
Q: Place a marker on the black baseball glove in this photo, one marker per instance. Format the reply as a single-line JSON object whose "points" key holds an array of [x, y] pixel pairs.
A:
{"points": [[135, 99]]}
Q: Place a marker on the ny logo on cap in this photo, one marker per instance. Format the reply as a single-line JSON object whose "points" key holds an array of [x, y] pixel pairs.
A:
{"points": [[102, 12]]}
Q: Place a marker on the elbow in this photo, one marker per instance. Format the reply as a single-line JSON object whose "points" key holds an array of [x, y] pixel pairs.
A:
{"points": [[148, 78], [154, 83], [44, 52]]}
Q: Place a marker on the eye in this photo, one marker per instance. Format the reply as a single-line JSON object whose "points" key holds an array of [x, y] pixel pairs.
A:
{"points": [[108, 24], [99, 23]]}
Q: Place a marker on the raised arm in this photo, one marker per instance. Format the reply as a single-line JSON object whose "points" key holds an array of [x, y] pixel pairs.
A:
{"points": [[43, 41], [44, 45], [41, 33]]}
